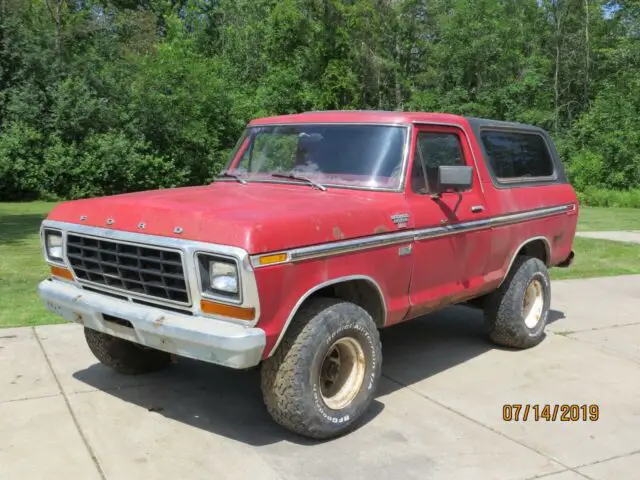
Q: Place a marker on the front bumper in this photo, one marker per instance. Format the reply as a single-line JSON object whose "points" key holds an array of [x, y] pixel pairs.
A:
{"points": [[205, 339]]}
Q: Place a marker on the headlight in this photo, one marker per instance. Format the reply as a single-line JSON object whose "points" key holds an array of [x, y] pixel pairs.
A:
{"points": [[218, 276], [53, 245], [223, 277]]}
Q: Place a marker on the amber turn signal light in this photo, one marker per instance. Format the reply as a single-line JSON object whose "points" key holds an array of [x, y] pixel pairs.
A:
{"points": [[215, 308], [274, 258], [61, 272]]}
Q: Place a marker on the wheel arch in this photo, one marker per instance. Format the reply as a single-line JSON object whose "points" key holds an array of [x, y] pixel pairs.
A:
{"points": [[538, 247], [362, 290]]}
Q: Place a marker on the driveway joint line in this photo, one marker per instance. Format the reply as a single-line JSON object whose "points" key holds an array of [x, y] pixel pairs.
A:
{"points": [[26, 399], [92, 454], [615, 457], [595, 329], [110, 389], [605, 351], [622, 276], [548, 475], [477, 422]]}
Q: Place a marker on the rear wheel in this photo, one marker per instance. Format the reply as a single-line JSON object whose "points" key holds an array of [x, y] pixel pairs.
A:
{"points": [[516, 314], [124, 356], [324, 375]]}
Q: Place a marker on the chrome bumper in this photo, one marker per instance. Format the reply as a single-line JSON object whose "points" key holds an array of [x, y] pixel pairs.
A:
{"points": [[201, 338]]}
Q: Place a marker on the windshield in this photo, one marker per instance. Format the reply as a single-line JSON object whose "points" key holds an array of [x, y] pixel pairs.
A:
{"points": [[335, 155]]}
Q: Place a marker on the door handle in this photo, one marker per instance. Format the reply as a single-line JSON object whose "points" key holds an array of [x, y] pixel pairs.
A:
{"points": [[477, 209]]}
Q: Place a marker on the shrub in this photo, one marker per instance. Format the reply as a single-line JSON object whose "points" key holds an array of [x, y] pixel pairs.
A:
{"points": [[180, 104], [112, 163], [603, 147], [20, 162], [600, 197]]}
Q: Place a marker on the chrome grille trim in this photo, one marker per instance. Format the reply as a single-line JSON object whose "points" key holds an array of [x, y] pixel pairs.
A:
{"points": [[250, 297], [139, 270]]}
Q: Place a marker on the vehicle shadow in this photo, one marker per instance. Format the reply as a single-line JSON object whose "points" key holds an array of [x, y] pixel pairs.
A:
{"points": [[416, 350], [228, 403]]}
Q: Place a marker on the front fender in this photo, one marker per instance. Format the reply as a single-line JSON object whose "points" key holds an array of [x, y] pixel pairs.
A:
{"points": [[283, 288]]}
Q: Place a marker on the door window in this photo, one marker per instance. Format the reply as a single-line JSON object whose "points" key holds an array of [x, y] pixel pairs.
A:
{"points": [[434, 149]]}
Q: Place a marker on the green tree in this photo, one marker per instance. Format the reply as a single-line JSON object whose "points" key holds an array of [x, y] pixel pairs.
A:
{"points": [[103, 96]]}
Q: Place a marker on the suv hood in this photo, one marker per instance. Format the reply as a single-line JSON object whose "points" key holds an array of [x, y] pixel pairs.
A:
{"points": [[259, 217]]}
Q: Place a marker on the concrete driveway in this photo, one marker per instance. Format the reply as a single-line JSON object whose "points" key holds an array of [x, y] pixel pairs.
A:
{"points": [[438, 413], [631, 236]]}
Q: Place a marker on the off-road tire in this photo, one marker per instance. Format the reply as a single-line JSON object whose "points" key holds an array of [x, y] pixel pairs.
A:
{"points": [[290, 378], [124, 356], [504, 307]]}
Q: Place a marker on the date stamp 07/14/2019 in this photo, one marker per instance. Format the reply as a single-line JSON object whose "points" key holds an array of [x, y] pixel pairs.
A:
{"points": [[565, 412]]}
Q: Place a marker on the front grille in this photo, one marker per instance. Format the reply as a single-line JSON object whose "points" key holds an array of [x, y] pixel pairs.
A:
{"points": [[139, 270]]}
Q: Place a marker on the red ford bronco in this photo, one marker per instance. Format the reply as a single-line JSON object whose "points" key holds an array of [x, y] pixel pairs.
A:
{"points": [[323, 228]]}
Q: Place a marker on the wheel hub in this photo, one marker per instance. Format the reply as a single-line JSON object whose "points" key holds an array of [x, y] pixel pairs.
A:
{"points": [[533, 304], [342, 373]]}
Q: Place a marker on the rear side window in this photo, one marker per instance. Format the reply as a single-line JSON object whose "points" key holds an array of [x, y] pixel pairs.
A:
{"points": [[517, 155]]}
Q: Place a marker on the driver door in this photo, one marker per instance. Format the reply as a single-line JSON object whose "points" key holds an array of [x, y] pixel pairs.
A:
{"points": [[450, 255]]}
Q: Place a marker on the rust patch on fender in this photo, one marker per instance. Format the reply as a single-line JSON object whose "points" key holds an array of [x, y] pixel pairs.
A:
{"points": [[558, 237], [79, 318], [337, 233], [380, 229]]}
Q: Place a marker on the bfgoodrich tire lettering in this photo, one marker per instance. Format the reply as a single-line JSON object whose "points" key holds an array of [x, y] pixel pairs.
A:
{"points": [[505, 311], [291, 384], [124, 356]]}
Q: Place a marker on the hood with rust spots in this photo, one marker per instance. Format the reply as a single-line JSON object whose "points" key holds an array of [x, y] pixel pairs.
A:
{"points": [[257, 217]]}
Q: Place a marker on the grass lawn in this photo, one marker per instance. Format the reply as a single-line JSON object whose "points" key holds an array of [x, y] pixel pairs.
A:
{"points": [[600, 258], [22, 266], [604, 219]]}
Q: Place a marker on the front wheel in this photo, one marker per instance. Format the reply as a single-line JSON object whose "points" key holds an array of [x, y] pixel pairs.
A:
{"points": [[125, 356], [517, 313], [324, 375]]}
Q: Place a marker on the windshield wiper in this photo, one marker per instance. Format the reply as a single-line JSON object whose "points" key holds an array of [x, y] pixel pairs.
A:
{"points": [[226, 174], [293, 176]]}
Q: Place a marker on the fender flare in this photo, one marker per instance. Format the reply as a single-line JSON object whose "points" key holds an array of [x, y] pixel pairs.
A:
{"points": [[547, 247], [320, 286]]}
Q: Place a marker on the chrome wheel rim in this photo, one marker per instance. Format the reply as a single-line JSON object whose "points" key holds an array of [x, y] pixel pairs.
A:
{"points": [[533, 304], [342, 373]]}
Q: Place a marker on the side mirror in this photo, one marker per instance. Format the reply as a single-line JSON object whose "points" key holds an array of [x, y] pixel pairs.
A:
{"points": [[453, 179]]}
